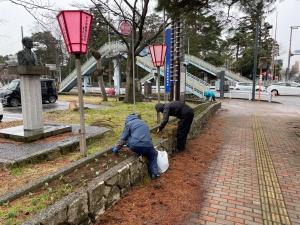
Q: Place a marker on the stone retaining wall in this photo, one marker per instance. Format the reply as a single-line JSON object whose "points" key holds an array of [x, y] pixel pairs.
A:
{"points": [[85, 205]]}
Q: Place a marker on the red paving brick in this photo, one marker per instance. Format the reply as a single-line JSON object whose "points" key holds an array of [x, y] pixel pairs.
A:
{"points": [[232, 184]]}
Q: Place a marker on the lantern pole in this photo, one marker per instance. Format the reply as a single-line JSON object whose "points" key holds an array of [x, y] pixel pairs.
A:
{"points": [[158, 84], [158, 91], [83, 150], [164, 41], [133, 65]]}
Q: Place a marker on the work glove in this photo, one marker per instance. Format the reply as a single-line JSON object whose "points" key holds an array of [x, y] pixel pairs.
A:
{"points": [[115, 150]]}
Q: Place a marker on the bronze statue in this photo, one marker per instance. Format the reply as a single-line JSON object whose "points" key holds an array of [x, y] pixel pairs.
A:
{"points": [[27, 57]]}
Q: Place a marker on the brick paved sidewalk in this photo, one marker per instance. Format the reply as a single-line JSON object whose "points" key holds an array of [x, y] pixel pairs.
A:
{"points": [[256, 176]]}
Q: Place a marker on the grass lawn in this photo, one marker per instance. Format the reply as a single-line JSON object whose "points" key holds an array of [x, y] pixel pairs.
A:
{"points": [[112, 117]]}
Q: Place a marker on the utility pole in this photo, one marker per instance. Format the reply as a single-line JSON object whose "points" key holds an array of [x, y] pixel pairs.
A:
{"points": [[287, 75], [164, 41], [133, 61], [109, 41], [172, 64], [273, 66], [22, 36], [177, 55], [289, 58]]}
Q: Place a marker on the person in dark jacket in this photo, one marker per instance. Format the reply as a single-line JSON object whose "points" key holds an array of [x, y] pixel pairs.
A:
{"points": [[136, 135], [185, 115]]}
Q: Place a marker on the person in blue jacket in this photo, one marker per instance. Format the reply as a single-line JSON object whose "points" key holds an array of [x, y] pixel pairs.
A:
{"points": [[136, 135], [210, 95]]}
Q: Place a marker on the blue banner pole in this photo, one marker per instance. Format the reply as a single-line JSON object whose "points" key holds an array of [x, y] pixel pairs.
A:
{"points": [[168, 61]]}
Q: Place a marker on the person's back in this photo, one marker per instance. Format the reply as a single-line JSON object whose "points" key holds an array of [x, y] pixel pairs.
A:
{"points": [[185, 115], [137, 135], [137, 132], [176, 108], [209, 94]]}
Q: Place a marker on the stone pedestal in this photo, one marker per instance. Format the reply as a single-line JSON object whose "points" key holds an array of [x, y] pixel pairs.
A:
{"points": [[31, 102], [31, 96]]}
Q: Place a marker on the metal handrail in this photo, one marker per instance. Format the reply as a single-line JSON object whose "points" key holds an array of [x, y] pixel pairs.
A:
{"points": [[215, 69], [146, 78], [198, 79]]}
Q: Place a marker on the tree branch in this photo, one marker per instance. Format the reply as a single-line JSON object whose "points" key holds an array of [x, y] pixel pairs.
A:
{"points": [[110, 25], [151, 39], [142, 23], [121, 10], [31, 5], [133, 8]]}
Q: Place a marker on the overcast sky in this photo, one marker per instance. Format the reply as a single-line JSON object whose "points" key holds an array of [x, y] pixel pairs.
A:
{"points": [[12, 17]]}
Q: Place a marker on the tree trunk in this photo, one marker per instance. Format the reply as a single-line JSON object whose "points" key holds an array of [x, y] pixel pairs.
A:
{"points": [[129, 81], [109, 74], [237, 51], [101, 83]]}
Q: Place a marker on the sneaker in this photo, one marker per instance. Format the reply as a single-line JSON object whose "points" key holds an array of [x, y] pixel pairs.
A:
{"points": [[154, 177]]}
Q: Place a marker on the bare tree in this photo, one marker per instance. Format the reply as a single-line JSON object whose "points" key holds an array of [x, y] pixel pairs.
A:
{"points": [[136, 12]]}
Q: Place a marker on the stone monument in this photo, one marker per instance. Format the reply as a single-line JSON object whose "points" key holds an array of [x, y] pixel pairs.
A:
{"points": [[30, 85], [31, 96]]}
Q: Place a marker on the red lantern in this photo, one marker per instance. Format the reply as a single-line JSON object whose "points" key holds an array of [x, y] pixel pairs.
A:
{"points": [[158, 53], [75, 26]]}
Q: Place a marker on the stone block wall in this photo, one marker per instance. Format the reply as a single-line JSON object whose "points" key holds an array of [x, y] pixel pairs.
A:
{"points": [[84, 206]]}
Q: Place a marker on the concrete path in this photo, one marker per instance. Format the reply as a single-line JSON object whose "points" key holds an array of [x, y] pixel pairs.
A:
{"points": [[256, 176], [15, 113]]}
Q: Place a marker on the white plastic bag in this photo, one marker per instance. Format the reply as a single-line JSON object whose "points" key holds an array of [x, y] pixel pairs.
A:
{"points": [[162, 161]]}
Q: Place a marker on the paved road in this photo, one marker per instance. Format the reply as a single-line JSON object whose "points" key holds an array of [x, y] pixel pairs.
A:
{"points": [[255, 177], [15, 113], [287, 100]]}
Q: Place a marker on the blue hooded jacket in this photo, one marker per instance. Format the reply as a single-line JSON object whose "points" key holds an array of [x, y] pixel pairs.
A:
{"points": [[136, 133], [209, 94]]}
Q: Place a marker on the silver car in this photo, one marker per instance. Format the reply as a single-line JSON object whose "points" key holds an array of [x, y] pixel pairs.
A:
{"points": [[246, 86], [284, 88]]}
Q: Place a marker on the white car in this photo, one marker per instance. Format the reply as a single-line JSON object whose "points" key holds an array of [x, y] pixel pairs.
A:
{"points": [[284, 88], [1, 111], [243, 86]]}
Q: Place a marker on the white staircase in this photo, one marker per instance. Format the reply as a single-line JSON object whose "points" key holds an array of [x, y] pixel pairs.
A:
{"points": [[115, 48]]}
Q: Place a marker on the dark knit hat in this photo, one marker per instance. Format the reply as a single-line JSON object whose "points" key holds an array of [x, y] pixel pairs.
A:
{"points": [[159, 107]]}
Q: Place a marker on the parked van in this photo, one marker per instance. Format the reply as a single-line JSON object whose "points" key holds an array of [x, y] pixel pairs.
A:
{"points": [[11, 93]]}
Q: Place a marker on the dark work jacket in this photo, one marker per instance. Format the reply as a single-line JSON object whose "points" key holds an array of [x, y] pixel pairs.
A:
{"points": [[177, 109]]}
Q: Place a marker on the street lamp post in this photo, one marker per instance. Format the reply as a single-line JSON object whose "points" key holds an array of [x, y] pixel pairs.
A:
{"points": [[126, 28], [75, 26], [158, 53], [287, 75]]}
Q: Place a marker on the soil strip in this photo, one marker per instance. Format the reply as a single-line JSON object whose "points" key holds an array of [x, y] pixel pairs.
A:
{"points": [[178, 193]]}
